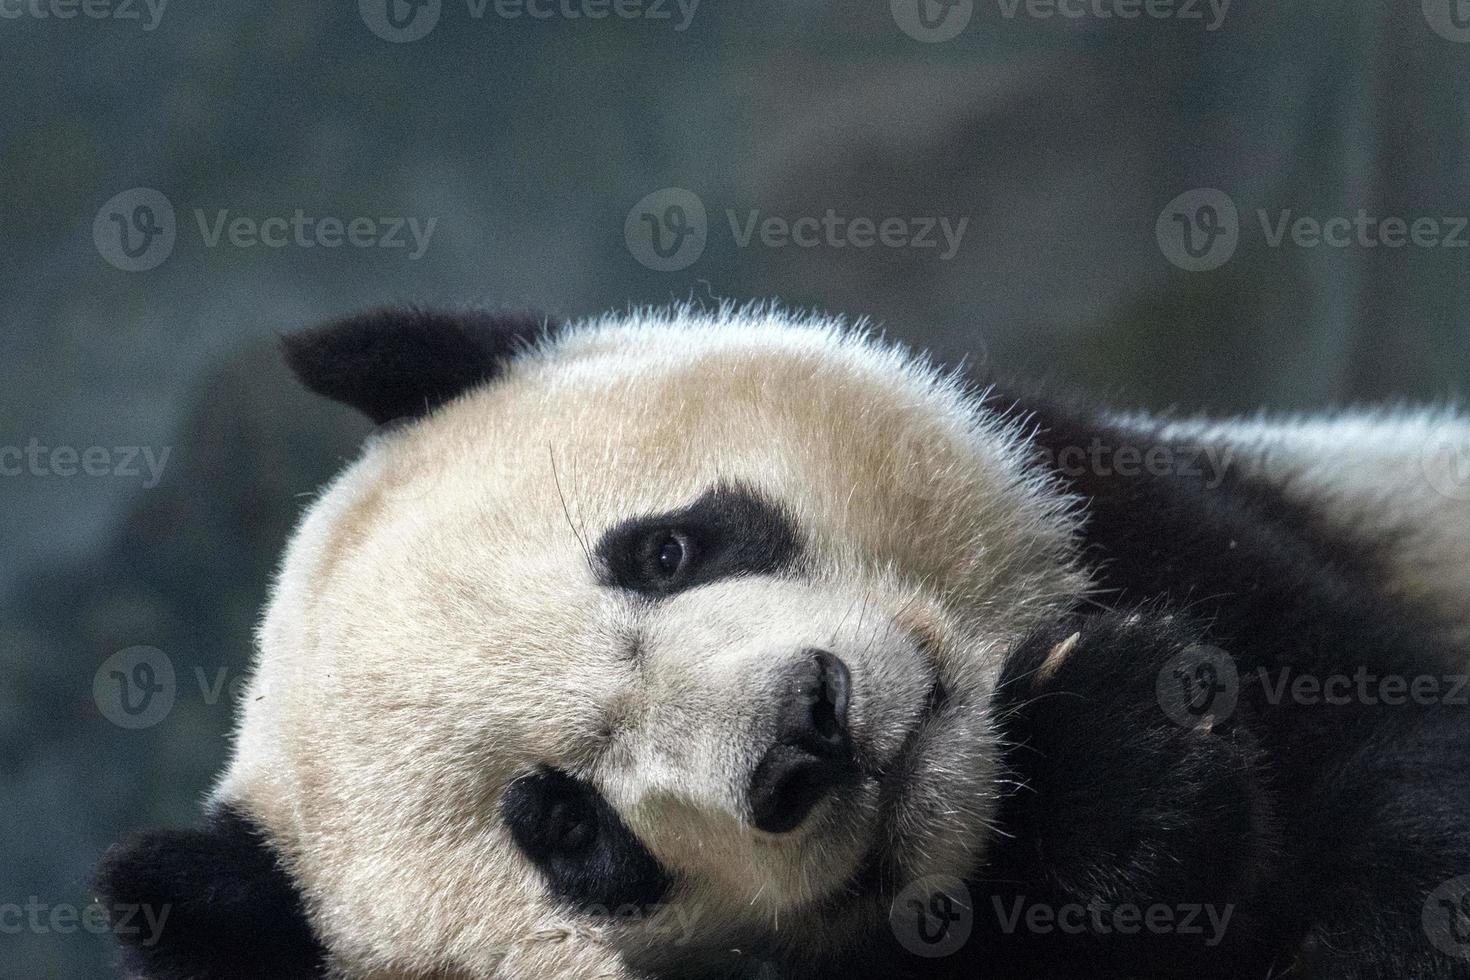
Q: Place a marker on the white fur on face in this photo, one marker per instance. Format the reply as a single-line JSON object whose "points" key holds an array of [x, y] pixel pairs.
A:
{"points": [[437, 630]]}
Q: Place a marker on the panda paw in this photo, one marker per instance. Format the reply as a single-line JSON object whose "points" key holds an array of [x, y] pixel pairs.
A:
{"points": [[1136, 779]]}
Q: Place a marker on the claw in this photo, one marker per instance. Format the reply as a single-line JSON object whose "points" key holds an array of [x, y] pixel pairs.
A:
{"points": [[1056, 658]]}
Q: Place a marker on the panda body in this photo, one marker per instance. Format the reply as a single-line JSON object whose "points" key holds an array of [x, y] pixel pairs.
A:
{"points": [[694, 646]]}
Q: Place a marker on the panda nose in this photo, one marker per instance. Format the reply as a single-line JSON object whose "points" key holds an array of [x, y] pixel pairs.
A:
{"points": [[812, 754]]}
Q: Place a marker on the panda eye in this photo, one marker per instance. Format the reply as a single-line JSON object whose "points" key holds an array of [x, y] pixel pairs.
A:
{"points": [[669, 553], [728, 532], [569, 828], [551, 814], [572, 835]]}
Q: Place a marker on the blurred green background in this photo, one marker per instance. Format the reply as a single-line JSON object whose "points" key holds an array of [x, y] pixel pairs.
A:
{"points": [[1072, 147]]}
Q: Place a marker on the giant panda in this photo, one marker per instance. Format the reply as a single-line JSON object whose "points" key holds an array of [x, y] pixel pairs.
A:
{"points": [[742, 644]]}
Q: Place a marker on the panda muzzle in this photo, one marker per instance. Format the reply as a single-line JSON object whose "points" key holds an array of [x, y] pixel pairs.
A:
{"points": [[813, 753]]}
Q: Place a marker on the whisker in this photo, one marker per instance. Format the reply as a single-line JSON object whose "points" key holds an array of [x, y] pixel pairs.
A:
{"points": [[566, 511]]}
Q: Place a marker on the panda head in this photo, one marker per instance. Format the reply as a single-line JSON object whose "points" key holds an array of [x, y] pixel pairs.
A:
{"points": [[619, 642]]}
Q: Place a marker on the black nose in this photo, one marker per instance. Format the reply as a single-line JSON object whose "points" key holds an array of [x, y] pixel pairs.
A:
{"points": [[813, 751]]}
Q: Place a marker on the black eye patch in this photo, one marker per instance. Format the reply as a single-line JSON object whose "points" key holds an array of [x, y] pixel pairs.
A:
{"points": [[588, 855], [730, 530]]}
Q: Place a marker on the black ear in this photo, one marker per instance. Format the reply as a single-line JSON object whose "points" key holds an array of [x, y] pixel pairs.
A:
{"points": [[399, 363], [209, 904]]}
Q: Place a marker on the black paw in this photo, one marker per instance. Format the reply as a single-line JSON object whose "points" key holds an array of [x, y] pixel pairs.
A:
{"points": [[1138, 788]]}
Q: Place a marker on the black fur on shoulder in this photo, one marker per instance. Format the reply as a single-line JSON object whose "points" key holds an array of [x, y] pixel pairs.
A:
{"points": [[1275, 585], [219, 904], [1367, 794], [403, 362], [1127, 797]]}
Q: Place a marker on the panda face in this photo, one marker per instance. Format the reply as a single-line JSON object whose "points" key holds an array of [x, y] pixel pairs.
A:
{"points": [[670, 633]]}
